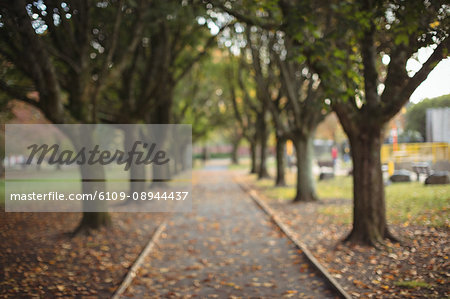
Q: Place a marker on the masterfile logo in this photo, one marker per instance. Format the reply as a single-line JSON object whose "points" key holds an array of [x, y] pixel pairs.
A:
{"points": [[54, 155], [98, 167]]}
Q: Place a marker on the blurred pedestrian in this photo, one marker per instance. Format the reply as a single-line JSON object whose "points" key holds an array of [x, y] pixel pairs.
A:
{"points": [[334, 156]]}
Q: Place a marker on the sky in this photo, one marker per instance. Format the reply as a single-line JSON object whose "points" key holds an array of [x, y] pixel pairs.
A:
{"points": [[436, 84]]}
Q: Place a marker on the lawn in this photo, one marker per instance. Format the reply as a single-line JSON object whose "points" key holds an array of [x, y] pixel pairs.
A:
{"points": [[407, 203], [243, 165]]}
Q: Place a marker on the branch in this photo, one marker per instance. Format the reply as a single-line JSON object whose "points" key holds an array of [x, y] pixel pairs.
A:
{"points": [[18, 94], [112, 47], [42, 70], [290, 89], [262, 86], [17, 60], [65, 44], [233, 96], [346, 116], [370, 72], [136, 34], [246, 18], [58, 54], [200, 55], [394, 103], [244, 90]]}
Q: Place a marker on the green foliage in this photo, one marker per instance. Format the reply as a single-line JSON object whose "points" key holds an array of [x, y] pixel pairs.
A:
{"points": [[173, 42], [409, 136], [202, 99], [416, 113], [393, 28], [401, 39]]}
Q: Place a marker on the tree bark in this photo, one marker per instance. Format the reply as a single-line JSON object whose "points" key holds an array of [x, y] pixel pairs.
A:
{"points": [[234, 151], [306, 189], [136, 172], [280, 147], [182, 154], [254, 167], [262, 171], [262, 128], [177, 164], [93, 180], [2, 168], [92, 220], [369, 209], [160, 174]]}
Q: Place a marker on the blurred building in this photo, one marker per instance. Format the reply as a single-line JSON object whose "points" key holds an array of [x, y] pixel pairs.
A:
{"points": [[438, 124]]}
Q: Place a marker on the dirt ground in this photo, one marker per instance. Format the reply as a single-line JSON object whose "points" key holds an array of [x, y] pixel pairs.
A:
{"points": [[39, 259], [417, 267]]}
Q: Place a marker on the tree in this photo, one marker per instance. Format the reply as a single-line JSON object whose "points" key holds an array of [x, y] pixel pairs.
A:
{"points": [[366, 94], [416, 113], [296, 102], [300, 84], [248, 112], [268, 91], [2, 151], [64, 51], [344, 42], [305, 110], [173, 42], [260, 138], [201, 100]]}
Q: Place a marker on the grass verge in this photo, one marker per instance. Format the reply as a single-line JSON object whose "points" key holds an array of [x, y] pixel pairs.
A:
{"points": [[407, 203]]}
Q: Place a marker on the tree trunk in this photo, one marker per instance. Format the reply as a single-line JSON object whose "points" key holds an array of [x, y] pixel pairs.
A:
{"points": [[182, 154], [234, 151], [369, 209], [306, 189], [2, 168], [280, 180], [254, 167], [136, 172], [176, 162], [262, 128], [262, 171], [92, 220], [160, 175], [93, 180]]}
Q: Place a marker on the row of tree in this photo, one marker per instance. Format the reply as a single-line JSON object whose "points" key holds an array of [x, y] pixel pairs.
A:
{"points": [[288, 64], [306, 58], [108, 62]]}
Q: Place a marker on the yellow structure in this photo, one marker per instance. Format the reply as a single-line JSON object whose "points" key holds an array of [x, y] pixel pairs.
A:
{"points": [[416, 152], [289, 147], [391, 168]]}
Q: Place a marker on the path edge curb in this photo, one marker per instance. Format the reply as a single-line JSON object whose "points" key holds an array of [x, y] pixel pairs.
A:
{"points": [[287, 231], [138, 262]]}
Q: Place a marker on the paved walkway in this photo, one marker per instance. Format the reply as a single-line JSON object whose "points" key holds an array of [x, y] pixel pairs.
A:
{"points": [[226, 248]]}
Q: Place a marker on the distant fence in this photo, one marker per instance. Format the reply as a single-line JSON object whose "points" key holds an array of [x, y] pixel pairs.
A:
{"points": [[416, 152]]}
